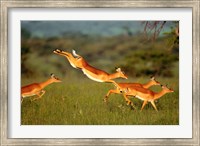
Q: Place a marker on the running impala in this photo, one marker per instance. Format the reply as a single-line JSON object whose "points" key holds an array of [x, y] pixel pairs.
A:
{"points": [[37, 88], [145, 95], [122, 86], [91, 72]]}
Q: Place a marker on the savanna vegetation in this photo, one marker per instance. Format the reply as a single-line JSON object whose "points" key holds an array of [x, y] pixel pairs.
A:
{"points": [[78, 100]]}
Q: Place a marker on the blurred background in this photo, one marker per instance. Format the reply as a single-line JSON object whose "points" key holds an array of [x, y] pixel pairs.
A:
{"points": [[140, 48]]}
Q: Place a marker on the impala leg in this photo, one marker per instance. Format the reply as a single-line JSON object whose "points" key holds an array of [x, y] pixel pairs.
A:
{"points": [[152, 102], [75, 56], [128, 101], [66, 53], [39, 94], [110, 92], [62, 53], [143, 105], [111, 81], [42, 93], [132, 105], [22, 99]]}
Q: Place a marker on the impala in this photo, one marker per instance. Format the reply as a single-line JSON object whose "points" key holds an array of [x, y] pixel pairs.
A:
{"points": [[145, 94], [91, 72], [37, 88], [122, 86]]}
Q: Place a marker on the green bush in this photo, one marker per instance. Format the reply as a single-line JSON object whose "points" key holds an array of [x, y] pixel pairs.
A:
{"points": [[150, 62]]}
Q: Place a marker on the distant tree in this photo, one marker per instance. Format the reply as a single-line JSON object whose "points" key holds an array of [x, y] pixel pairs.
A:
{"points": [[152, 62], [25, 50], [152, 30], [173, 38]]}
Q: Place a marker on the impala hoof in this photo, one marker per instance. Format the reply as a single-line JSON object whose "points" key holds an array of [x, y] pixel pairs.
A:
{"points": [[128, 102], [105, 99], [132, 108], [57, 51]]}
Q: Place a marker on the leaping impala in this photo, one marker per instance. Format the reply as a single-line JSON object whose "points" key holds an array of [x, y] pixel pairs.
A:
{"points": [[37, 88], [145, 94], [123, 86], [91, 72]]}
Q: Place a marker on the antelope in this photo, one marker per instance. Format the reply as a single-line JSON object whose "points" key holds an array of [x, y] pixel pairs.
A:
{"points": [[91, 72], [37, 88], [122, 86], [145, 95]]}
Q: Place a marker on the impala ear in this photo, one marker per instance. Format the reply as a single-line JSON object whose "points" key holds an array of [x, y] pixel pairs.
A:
{"points": [[118, 70], [152, 78], [52, 75]]}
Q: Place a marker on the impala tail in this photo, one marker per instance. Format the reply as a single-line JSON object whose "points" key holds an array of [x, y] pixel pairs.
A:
{"points": [[75, 54]]}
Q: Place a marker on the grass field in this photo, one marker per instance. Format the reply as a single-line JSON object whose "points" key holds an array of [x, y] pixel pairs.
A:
{"points": [[79, 101]]}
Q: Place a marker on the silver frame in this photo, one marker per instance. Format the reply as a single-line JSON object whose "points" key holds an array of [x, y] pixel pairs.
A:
{"points": [[5, 5]]}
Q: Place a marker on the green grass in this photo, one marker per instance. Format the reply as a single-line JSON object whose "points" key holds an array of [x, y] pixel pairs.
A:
{"points": [[79, 101]]}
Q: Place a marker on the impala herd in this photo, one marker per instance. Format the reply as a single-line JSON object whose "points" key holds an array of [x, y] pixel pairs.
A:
{"points": [[140, 91]]}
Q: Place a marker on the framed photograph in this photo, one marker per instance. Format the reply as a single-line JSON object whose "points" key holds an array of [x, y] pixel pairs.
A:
{"points": [[99, 73]]}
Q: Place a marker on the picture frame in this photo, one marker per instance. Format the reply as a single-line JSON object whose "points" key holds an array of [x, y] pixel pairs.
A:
{"points": [[5, 5]]}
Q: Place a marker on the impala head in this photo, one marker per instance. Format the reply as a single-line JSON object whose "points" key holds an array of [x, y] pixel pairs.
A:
{"points": [[121, 73], [54, 78], [154, 82], [166, 89]]}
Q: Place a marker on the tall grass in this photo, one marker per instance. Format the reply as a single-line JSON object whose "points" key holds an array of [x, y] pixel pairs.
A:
{"points": [[79, 101]]}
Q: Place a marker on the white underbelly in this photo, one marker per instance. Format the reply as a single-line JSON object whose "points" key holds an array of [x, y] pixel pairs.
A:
{"points": [[139, 97], [72, 64], [142, 98], [91, 77]]}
